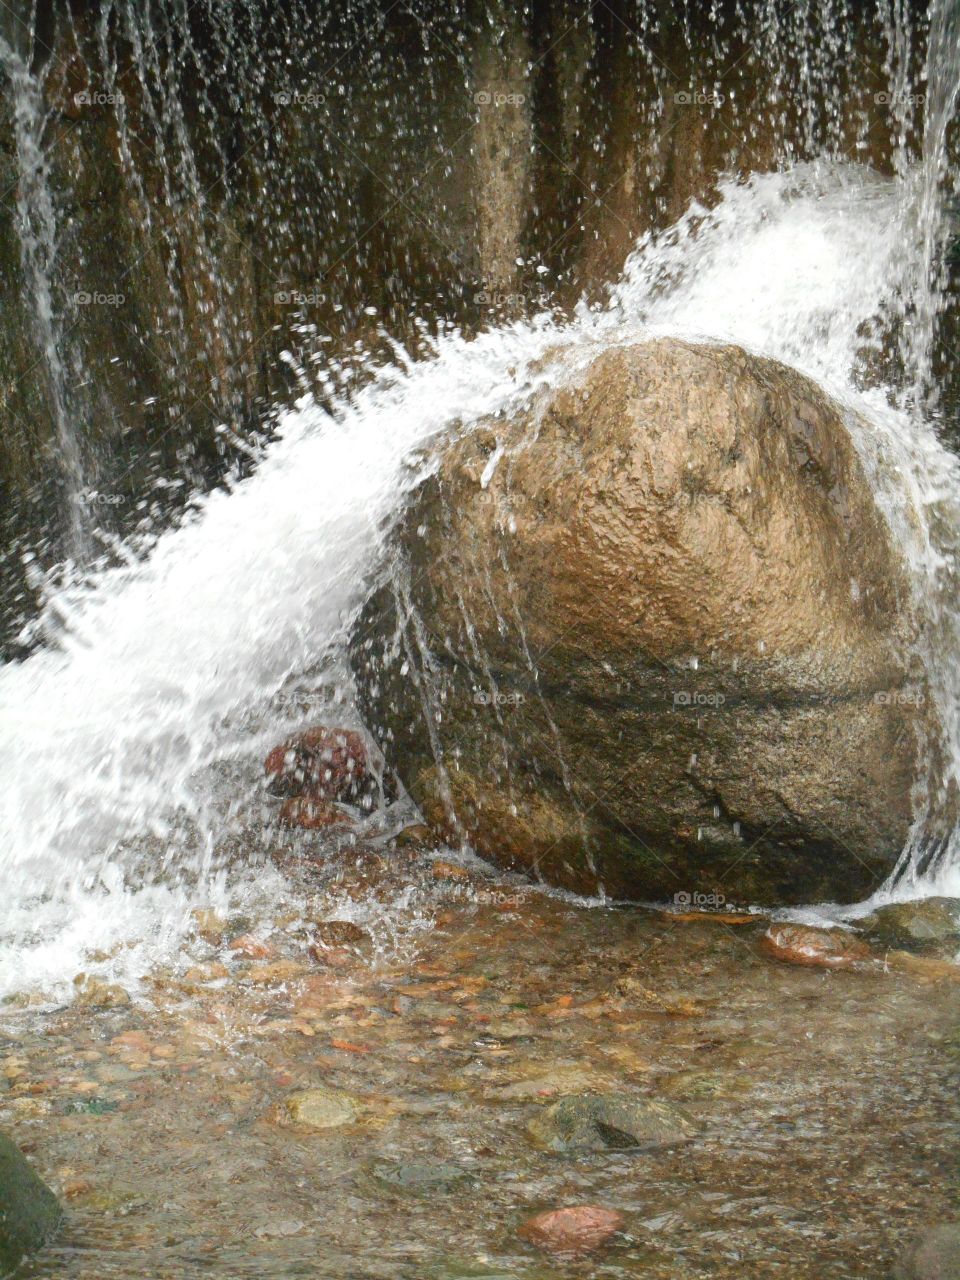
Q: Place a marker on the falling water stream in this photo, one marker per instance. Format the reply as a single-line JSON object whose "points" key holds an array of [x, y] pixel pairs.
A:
{"points": [[127, 738]]}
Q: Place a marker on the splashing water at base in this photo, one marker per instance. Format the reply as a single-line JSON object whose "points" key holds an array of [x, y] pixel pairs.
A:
{"points": [[126, 742]]}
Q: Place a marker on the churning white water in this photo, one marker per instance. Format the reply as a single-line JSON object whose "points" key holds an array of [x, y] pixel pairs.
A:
{"points": [[125, 742]]}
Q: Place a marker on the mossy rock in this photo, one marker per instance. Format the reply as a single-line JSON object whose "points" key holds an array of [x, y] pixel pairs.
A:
{"points": [[29, 1211]]}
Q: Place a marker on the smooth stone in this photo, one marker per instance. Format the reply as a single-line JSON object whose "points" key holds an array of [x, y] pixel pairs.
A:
{"points": [[579, 1229], [29, 1211], [669, 499], [934, 1256], [321, 1108], [607, 1122], [819, 948]]}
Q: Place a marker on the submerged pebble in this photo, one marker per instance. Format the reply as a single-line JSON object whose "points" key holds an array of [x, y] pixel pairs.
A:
{"points": [[575, 1230]]}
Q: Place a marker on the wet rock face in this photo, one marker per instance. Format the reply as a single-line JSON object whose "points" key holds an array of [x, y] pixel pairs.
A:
{"points": [[653, 635], [29, 1211]]}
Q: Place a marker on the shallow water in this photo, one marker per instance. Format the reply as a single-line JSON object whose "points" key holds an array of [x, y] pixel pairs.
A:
{"points": [[828, 1100]]}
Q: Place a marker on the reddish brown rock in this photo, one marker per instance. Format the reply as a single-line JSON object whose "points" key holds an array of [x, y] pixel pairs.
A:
{"points": [[313, 815], [254, 948], [822, 948], [322, 764], [579, 1229]]}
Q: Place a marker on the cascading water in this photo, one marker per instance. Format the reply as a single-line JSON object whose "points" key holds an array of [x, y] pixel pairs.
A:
{"points": [[125, 742], [38, 236]]}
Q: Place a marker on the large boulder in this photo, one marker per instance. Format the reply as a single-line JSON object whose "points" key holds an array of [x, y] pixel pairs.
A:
{"points": [[29, 1211], [654, 636]]}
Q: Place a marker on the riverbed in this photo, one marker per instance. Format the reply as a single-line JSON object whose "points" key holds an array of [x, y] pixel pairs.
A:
{"points": [[824, 1103]]}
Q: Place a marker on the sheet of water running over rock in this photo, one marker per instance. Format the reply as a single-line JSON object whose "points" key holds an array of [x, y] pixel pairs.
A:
{"points": [[255, 1024]]}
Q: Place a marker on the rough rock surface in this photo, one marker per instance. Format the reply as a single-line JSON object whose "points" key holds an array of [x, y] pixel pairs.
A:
{"points": [[653, 634], [29, 1211]]}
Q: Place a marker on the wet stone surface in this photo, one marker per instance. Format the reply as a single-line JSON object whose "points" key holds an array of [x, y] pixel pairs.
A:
{"points": [[315, 1102]]}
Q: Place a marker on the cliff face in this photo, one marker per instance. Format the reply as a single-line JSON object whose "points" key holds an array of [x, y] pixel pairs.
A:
{"points": [[187, 195]]}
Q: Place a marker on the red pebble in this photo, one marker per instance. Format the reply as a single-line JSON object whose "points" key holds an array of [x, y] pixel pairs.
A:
{"points": [[579, 1229]]}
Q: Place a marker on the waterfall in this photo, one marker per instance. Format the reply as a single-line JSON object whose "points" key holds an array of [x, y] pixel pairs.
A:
{"points": [[38, 235], [126, 741]]}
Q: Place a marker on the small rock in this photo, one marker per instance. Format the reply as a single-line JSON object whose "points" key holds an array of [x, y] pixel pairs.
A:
{"points": [[641, 997], [210, 926], [449, 871], [339, 933], [607, 1122], [92, 994], [705, 1084], [579, 1229], [550, 1084], [279, 971], [734, 918], [207, 972], [923, 968], [255, 948], [278, 1229], [934, 1256], [418, 836], [324, 764], [312, 815], [73, 1188], [823, 948], [319, 1108]]}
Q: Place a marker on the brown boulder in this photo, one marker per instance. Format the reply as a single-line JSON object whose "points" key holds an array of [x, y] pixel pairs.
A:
{"points": [[653, 635]]}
